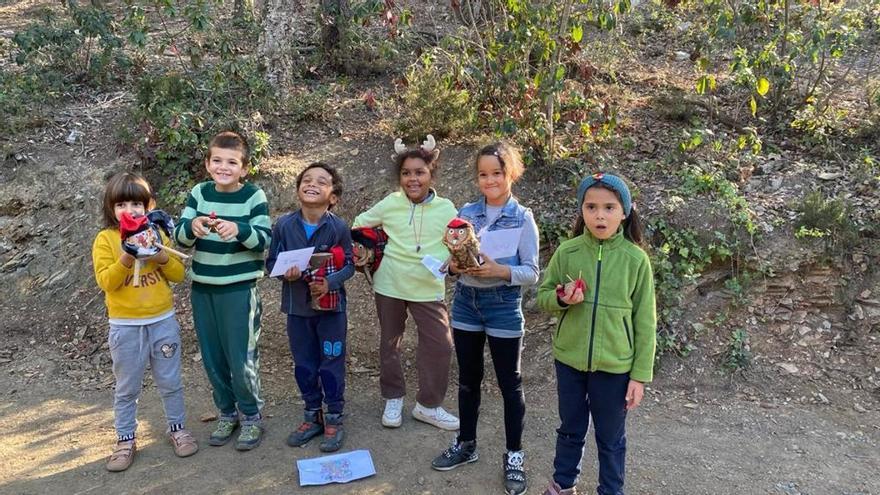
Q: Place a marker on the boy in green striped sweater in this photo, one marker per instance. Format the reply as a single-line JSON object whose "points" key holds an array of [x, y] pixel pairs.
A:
{"points": [[227, 221]]}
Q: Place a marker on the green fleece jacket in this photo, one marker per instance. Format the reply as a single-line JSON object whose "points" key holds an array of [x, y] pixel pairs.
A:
{"points": [[614, 328]]}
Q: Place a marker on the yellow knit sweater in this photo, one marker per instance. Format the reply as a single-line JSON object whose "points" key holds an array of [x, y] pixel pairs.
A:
{"points": [[152, 297]]}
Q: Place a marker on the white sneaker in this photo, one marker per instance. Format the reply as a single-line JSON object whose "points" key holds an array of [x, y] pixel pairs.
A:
{"points": [[436, 416], [393, 415]]}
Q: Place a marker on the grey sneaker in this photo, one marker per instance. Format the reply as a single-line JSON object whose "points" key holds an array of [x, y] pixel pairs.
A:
{"points": [[458, 453], [334, 434], [250, 437], [312, 426], [223, 433], [514, 472]]}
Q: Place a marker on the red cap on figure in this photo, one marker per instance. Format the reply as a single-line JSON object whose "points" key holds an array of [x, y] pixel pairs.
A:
{"points": [[457, 223], [129, 225]]}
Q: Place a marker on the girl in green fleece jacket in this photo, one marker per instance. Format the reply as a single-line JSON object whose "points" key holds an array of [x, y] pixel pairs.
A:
{"points": [[601, 287]]}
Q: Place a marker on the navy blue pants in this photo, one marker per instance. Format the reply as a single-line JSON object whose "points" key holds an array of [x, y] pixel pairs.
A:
{"points": [[602, 396], [317, 344]]}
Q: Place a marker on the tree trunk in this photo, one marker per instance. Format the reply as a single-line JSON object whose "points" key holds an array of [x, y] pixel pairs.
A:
{"points": [[335, 15], [284, 26]]}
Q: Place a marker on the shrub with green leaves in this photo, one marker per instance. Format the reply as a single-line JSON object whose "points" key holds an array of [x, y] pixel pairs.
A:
{"points": [[83, 46], [738, 354], [432, 103], [778, 57], [216, 84], [824, 218]]}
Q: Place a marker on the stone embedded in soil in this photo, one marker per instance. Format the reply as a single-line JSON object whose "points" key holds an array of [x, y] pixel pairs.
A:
{"points": [[788, 367]]}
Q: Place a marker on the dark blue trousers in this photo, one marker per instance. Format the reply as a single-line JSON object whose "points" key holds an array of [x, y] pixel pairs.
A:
{"points": [[317, 344], [602, 396]]}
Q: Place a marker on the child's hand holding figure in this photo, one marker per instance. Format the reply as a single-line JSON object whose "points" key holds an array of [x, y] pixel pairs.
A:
{"points": [[292, 274], [635, 391], [127, 260], [161, 257], [226, 230], [200, 227], [572, 292], [489, 268], [319, 287]]}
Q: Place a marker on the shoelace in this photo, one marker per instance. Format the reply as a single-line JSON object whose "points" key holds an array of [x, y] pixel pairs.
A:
{"points": [[453, 449], [442, 415], [393, 407], [250, 432]]}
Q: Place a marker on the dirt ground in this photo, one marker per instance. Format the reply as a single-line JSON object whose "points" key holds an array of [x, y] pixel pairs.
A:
{"points": [[803, 419], [683, 440]]}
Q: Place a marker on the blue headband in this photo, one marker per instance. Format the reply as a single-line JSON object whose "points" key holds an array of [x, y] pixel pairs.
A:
{"points": [[610, 180]]}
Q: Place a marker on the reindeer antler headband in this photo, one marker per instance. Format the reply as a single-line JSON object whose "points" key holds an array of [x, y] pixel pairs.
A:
{"points": [[429, 145]]}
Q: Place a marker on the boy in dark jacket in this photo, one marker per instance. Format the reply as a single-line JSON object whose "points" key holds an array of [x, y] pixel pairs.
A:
{"points": [[315, 303]]}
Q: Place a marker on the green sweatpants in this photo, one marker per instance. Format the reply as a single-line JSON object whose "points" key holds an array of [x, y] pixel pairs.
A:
{"points": [[227, 321]]}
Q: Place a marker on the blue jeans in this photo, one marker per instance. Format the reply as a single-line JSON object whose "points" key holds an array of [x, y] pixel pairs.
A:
{"points": [[317, 344], [602, 396], [132, 347], [494, 310]]}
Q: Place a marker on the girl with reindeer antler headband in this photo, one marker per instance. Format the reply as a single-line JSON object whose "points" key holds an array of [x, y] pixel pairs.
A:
{"points": [[415, 218]]}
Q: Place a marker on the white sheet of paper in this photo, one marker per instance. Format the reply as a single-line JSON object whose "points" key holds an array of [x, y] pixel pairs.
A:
{"points": [[433, 265], [289, 259], [337, 468], [500, 243]]}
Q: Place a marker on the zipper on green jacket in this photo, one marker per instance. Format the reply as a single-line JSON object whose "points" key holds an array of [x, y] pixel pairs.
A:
{"points": [[595, 306], [626, 331]]}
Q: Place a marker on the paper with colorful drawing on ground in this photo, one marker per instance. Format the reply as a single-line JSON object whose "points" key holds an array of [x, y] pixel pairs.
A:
{"points": [[337, 468]]}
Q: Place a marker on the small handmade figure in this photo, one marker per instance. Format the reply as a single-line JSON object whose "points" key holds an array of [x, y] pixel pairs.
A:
{"points": [[463, 245], [141, 237], [368, 245], [321, 265]]}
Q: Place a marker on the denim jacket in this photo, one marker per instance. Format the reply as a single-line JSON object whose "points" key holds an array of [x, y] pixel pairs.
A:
{"points": [[524, 264]]}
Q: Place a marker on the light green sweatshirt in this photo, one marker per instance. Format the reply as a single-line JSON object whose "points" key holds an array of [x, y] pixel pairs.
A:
{"points": [[414, 231]]}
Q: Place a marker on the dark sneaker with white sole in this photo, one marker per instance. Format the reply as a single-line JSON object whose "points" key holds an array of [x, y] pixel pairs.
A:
{"points": [[312, 426], [458, 454]]}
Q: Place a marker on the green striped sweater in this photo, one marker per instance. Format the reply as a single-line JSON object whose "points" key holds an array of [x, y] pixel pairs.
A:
{"points": [[218, 262]]}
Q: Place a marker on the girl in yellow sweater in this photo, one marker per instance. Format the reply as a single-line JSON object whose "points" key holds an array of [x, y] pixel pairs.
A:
{"points": [[143, 328]]}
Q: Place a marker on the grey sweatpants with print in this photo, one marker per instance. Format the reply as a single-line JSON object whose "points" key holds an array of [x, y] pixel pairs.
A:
{"points": [[132, 348]]}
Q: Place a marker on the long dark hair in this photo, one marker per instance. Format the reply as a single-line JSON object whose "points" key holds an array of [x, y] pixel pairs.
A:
{"points": [[632, 226]]}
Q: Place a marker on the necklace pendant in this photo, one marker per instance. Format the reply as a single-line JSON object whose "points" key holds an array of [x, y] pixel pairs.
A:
{"points": [[418, 248]]}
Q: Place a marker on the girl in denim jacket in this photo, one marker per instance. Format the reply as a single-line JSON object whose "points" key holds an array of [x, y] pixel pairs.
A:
{"points": [[488, 306]]}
